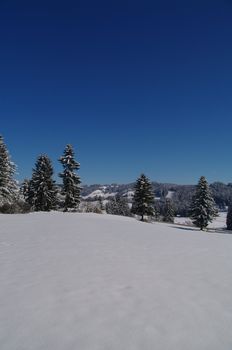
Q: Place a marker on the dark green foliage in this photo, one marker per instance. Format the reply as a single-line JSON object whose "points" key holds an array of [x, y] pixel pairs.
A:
{"points": [[168, 211], [157, 210], [8, 187], [18, 207], [182, 198], [229, 218], [222, 194], [203, 207], [118, 206], [25, 189], [41, 191], [101, 204], [71, 181], [143, 201]]}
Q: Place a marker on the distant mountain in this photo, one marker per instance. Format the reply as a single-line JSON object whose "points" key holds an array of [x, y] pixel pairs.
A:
{"points": [[181, 195], [93, 192]]}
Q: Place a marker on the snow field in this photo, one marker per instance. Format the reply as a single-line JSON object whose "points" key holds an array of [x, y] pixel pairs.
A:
{"points": [[101, 282]]}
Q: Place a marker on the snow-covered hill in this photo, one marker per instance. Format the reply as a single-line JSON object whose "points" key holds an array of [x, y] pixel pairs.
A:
{"points": [[88, 281], [218, 223]]}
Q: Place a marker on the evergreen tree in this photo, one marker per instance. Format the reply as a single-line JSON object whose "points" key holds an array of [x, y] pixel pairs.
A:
{"points": [[8, 186], [118, 206], [169, 212], [203, 207], [101, 204], [41, 192], [71, 181], [229, 218], [143, 199], [25, 189], [157, 210]]}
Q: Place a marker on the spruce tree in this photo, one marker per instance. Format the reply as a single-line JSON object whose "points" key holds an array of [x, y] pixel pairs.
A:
{"points": [[143, 200], [229, 218], [169, 212], [25, 189], [203, 209], [118, 206], [71, 181], [8, 186], [41, 193]]}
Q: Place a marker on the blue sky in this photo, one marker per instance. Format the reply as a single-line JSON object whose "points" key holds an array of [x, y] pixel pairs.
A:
{"points": [[135, 86]]}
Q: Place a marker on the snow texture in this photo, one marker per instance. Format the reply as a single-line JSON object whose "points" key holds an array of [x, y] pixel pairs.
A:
{"points": [[100, 193], [100, 282], [217, 223]]}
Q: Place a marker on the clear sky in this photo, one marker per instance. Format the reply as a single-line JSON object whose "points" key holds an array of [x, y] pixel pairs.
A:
{"points": [[134, 86]]}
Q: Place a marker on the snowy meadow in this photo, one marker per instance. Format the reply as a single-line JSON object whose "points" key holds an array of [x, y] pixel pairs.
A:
{"points": [[88, 281]]}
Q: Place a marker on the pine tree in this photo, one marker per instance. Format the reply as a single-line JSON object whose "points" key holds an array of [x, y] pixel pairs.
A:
{"points": [[169, 212], [42, 191], [71, 181], [8, 186], [25, 189], [101, 204], [143, 200], [203, 207], [118, 206], [229, 218]]}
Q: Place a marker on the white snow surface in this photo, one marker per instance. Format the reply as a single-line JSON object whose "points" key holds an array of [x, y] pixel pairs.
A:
{"points": [[101, 282], [218, 222], [100, 193], [170, 194]]}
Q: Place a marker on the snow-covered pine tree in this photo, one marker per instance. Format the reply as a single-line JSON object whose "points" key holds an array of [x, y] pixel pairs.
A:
{"points": [[118, 206], [169, 212], [143, 200], [229, 218], [203, 207], [8, 186], [71, 181], [41, 188], [25, 189]]}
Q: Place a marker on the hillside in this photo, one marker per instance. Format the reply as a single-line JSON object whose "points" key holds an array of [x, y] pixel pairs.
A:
{"points": [[87, 281], [181, 195]]}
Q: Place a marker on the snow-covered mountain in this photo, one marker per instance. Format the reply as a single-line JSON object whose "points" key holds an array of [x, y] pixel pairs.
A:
{"points": [[93, 192]]}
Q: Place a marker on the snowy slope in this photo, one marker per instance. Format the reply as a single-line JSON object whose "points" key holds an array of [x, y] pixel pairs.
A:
{"points": [[100, 193], [218, 222], [101, 282]]}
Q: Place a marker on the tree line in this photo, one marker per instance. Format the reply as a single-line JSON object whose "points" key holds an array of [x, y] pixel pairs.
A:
{"points": [[41, 193]]}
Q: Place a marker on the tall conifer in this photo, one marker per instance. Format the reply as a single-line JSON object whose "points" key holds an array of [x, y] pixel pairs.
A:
{"points": [[8, 186], [71, 181], [41, 188], [203, 209], [143, 201]]}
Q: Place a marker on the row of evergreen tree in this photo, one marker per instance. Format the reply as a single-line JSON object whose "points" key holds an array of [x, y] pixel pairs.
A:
{"points": [[40, 193], [203, 209]]}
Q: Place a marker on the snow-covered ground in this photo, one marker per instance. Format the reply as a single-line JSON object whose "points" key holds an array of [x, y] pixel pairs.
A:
{"points": [[218, 222], [101, 282]]}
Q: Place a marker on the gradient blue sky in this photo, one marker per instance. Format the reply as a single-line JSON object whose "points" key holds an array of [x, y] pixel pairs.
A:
{"points": [[135, 86]]}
